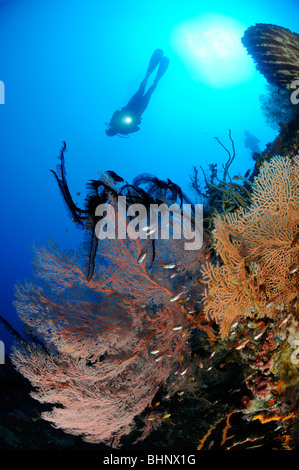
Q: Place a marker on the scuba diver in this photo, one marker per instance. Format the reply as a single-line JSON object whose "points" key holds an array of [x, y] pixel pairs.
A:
{"points": [[251, 142], [126, 120]]}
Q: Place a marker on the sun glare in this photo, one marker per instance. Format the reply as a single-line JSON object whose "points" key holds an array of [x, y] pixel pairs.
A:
{"points": [[211, 47]]}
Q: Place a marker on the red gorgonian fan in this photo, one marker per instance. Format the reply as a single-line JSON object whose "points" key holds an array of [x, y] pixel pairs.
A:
{"points": [[105, 346]]}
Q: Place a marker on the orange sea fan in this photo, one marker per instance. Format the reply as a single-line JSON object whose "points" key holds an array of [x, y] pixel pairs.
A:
{"points": [[258, 248]]}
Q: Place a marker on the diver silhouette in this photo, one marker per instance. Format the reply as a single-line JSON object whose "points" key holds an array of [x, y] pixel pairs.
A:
{"points": [[251, 142], [126, 120]]}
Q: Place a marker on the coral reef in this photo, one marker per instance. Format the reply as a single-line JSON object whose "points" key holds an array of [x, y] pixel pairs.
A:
{"points": [[140, 343], [275, 50], [277, 107], [107, 344], [259, 251], [143, 358]]}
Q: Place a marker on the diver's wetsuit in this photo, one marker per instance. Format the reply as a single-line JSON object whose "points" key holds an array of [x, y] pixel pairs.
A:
{"points": [[126, 120]]}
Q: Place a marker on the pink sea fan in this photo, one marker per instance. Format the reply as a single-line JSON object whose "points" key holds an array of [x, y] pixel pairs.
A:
{"points": [[105, 353]]}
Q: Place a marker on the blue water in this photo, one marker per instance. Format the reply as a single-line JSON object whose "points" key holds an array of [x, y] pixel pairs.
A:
{"points": [[66, 66]]}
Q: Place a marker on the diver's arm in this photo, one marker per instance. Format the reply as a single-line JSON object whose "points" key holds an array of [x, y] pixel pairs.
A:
{"points": [[115, 117]]}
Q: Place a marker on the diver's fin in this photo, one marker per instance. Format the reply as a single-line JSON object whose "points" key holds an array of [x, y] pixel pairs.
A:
{"points": [[164, 62], [154, 61]]}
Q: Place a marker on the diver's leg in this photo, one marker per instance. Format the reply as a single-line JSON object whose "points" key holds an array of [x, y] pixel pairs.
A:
{"points": [[162, 69], [138, 96], [146, 98], [154, 61], [139, 99], [143, 102]]}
